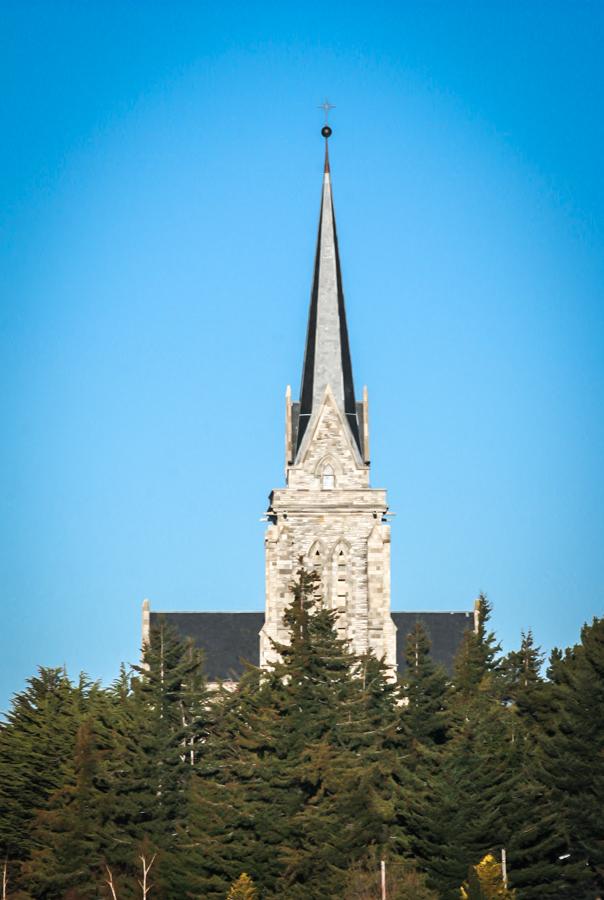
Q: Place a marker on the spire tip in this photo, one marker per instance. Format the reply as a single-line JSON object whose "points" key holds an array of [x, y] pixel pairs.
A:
{"points": [[326, 132]]}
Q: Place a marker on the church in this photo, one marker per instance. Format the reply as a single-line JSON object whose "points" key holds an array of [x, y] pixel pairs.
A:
{"points": [[327, 512]]}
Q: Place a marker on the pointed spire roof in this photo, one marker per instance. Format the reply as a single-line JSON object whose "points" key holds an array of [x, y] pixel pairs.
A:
{"points": [[327, 357]]}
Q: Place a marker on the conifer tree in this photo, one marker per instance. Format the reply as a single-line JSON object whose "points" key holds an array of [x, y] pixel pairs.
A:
{"points": [[297, 780], [158, 733], [36, 742], [477, 654], [238, 806], [586, 805], [537, 847], [310, 771], [69, 833], [571, 759], [536, 842], [522, 686], [475, 786], [521, 672], [425, 719], [425, 689], [342, 748], [477, 774], [42, 745], [486, 882], [243, 889]]}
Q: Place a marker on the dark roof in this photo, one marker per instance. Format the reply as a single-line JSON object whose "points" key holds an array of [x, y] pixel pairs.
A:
{"points": [[445, 630], [227, 639], [230, 639]]}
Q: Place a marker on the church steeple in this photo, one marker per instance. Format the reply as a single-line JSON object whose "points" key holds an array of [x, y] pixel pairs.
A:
{"points": [[327, 357], [327, 515]]}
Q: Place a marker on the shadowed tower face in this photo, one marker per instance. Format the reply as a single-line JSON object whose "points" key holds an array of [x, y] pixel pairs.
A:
{"points": [[327, 513]]}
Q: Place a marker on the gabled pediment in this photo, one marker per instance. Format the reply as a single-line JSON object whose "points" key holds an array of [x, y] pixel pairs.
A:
{"points": [[328, 439]]}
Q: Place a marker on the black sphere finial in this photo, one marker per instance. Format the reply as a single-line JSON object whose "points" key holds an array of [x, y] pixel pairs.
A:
{"points": [[326, 131]]}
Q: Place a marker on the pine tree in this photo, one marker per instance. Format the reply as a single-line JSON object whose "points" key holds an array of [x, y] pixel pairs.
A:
{"points": [[69, 834], [425, 690], [536, 842], [587, 717], [237, 803], [536, 845], [477, 774], [521, 671], [309, 772], [477, 654], [36, 741], [341, 748], [297, 779], [157, 734], [43, 749], [485, 882], [475, 786], [425, 722], [571, 759], [522, 686], [243, 889]]}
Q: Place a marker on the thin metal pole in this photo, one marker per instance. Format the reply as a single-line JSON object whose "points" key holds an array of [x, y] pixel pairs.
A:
{"points": [[504, 868], [383, 868]]}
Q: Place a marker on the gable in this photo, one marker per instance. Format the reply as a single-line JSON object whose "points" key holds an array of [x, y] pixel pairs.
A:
{"points": [[328, 442]]}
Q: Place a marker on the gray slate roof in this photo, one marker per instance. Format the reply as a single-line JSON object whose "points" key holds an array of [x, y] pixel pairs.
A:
{"points": [[229, 639], [327, 356], [445, 630]]}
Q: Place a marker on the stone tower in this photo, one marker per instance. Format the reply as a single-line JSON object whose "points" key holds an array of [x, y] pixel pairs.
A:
{"points": [[328, 513]]}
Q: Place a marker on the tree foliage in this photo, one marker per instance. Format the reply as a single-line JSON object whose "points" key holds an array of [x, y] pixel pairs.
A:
{"points": [[300, 780], [243, 889], [486, 882]]}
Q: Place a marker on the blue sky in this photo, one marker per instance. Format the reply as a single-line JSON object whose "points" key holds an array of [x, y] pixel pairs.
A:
{"points": [[159, 191]]}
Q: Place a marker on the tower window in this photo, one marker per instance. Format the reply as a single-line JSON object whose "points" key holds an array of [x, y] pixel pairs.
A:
{"points": [[329, 479], [341, 584], [340, 588], [315, 560]]}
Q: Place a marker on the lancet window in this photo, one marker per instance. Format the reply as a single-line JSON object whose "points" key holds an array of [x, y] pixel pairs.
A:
{"points": [[340, 592], [315, 562]]}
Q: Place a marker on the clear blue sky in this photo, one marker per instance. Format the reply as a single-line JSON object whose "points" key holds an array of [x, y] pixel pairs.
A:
{"points": [[160, 174]]}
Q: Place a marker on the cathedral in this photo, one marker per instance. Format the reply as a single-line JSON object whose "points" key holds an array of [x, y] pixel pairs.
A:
{"points": [[327, 512]]}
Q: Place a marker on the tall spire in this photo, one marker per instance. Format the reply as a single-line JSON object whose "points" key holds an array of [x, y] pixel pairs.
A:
{"points": [[327, 358]]}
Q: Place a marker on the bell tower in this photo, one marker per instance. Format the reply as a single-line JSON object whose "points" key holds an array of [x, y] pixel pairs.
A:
{"points": [[328, 513]]}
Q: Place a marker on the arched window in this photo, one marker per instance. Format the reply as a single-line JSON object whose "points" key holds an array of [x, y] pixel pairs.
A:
{"points": [[341, 578], [315, 562], [328, 480], [340, 587]]}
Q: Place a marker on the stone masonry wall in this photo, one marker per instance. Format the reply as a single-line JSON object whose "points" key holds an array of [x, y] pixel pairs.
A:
{"points": [[337, 527]]}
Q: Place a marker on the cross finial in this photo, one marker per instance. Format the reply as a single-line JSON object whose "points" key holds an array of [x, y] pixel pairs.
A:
{"points": [[326, 106]]}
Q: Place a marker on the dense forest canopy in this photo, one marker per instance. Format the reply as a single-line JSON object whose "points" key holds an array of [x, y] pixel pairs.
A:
{"points": [[299, 782]]}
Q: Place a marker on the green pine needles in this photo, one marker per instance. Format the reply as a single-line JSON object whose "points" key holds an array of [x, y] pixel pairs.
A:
{"points": [[303, 779]]}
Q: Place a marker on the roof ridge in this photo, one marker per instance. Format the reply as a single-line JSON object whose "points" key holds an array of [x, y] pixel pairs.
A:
{"points": [[197, 612]]}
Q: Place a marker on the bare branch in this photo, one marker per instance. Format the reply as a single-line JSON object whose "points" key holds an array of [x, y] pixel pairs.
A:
{"points": [[145, 886], [110, 882]]}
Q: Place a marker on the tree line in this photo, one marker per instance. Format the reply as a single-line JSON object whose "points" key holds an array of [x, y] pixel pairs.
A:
{"points": [[297, 783]]}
